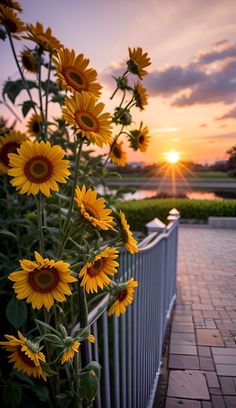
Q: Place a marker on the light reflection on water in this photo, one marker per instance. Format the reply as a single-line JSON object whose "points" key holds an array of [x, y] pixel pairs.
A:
{"points": [[142, 193], [203, 195]]}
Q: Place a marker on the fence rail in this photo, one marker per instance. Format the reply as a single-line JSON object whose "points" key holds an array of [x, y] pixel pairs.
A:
{"points": [[129, 348]]}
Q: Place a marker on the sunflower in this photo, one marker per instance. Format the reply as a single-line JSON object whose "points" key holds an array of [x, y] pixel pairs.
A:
{"points": [[34, 125], [25, 355], [42, 282], [138, 61], [11, 21], [44, 39], [117, 155], [123, 298], [38, 167], [9, 144], [12, 4], [140, 95], [140, 138], [73, 73], [70, 351], [94, 273], [30, 63], [82, 111], [93, 209], [129, 242]]}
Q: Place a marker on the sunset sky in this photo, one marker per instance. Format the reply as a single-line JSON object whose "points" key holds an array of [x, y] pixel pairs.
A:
{"points": [[192, 79]]}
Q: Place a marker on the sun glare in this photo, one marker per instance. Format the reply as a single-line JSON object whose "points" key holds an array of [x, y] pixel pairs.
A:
{"points": [[172, 157]]}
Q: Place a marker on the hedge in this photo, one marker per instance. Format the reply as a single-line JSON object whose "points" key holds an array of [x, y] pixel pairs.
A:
{"points": [[139, 212]]}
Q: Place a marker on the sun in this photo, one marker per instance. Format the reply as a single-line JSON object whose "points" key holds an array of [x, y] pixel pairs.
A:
{"points": [[172, 157]]}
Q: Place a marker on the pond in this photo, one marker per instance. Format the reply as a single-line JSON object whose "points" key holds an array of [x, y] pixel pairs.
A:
{"points": [[140, 194]]}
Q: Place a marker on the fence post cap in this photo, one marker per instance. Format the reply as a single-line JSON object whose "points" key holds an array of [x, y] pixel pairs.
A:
{"points": [[174, 212], [155, 225]]}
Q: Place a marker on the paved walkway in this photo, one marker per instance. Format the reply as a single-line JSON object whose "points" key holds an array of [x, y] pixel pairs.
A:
{"points": [[202, 346]]}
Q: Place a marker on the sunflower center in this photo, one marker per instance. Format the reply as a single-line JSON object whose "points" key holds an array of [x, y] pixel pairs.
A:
{"points": [[38, 169], [26, 61], [141, 139], [44, 280], [36, 127], [76, 79], [116, 151], [11, 25], [10, 147], [91, 211], [87, 120], [122, 295], [25, 358], [95, 268]]}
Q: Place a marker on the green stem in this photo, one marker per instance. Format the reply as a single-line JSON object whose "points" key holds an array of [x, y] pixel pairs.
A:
{"points": [[83, 317], [47, 94], [11, 110], [67, 220], [42, 124], [20, 70], [53, 381], [112, 96], [40, 209], [123, 98]]}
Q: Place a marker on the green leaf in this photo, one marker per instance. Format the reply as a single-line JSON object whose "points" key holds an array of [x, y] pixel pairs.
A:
{"points": [[22, 377], [58, 98], [95, 366], [88, 385], [3, 35], [16, 312], [47, 326], [26, 106], [42, 392], [52, 338], [11, 89], [12, 394], [7, 234], [50, 87], [47, 369]]}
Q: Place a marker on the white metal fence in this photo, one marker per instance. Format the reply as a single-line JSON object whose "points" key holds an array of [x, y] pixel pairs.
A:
{"points": [[129, 348]]}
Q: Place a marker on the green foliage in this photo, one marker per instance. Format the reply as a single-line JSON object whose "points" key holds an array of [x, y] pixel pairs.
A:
{"points": [[89, 380], [12, 89], [12, 394], [16, 313], [140, 212], [26, 106]]}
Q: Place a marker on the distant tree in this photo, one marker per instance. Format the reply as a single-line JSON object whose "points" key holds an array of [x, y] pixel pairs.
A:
{"points": [[220, 165], [231, 163]]}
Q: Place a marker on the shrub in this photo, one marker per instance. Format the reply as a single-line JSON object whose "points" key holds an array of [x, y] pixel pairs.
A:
{"points": [[140, 212]]}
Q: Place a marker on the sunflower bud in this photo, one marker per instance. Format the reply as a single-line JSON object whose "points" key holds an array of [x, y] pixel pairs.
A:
{"points": [[133, 67], [122, 116], [122, 83]]}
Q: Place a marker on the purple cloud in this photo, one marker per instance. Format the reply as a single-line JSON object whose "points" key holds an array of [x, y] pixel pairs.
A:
{"points": [[218, 86], [217, 54], [173, 79], [229, 115]]}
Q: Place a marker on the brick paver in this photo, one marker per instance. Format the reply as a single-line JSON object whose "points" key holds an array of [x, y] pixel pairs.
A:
{"points": [[202, 349]]}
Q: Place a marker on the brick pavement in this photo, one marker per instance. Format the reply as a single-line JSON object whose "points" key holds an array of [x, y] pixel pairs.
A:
{"points": [[202, 347]]}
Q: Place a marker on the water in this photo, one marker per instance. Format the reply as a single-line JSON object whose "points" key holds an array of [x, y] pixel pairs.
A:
{"points": [[150, 193]]}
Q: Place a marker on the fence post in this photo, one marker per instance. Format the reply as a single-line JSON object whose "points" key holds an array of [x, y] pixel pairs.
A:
{"points": [[155, 225]]}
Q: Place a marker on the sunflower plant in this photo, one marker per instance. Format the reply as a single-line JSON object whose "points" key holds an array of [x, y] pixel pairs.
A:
{"points": [[61, 239]]}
